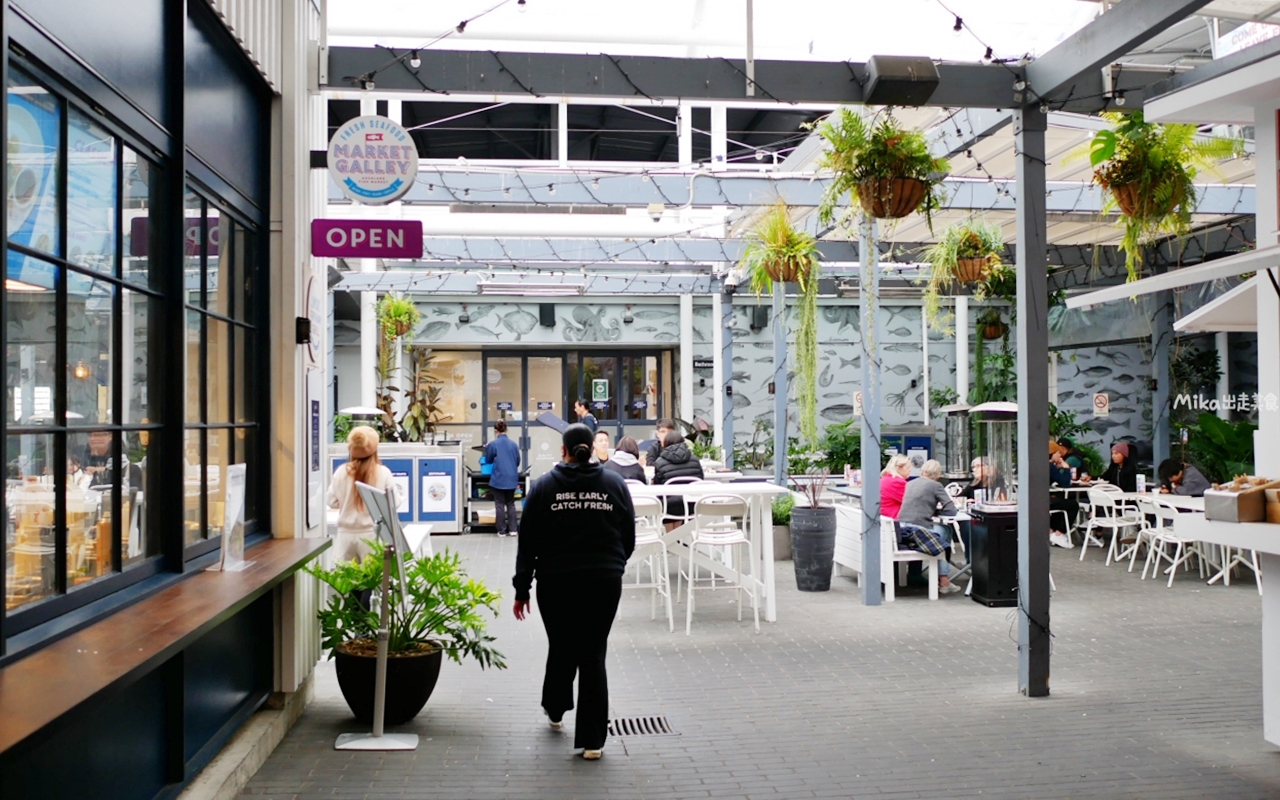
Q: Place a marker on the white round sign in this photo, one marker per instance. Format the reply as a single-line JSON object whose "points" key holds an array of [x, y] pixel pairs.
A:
{"points": [[373, 160]]}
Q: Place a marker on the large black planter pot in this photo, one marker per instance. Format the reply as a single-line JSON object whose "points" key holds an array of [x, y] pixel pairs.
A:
{"points": [[410, 681], [813, 546]]}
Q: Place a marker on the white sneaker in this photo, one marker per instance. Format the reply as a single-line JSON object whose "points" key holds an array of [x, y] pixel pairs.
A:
{"points": [[950, 588], [556, 724], [1061, 540], [592, 755]]}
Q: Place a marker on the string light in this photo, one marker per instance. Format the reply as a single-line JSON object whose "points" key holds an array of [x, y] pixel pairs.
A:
{"points": [[1019, 85], [551, 188], [989, 55], [1119, 97], [416, 62], [462, 26], [522, 6], [369, 85], [959, 26]]}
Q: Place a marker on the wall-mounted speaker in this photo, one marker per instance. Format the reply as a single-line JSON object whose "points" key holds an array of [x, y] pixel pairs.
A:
{"points": [[759, 318], [547, 314]]}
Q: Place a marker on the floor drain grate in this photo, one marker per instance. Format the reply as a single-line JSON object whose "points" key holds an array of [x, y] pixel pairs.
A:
{"points": [[641, 726]]}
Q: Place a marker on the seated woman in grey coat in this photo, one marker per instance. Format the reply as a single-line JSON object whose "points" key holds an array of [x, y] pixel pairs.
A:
{"points": [[924, 499]]}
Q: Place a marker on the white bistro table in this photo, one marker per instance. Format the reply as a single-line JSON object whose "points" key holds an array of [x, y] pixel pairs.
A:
{"points": [[759, 497], [1179, 501], [1263, 538]]}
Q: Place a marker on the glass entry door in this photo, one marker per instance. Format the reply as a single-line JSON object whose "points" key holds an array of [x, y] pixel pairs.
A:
{"points": [[518, 389]]}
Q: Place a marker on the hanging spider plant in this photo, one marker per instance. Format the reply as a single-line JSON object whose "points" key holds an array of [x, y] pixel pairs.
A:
{"points": [[965, 253], [777, 251], [884, 167], [1148, 171]]}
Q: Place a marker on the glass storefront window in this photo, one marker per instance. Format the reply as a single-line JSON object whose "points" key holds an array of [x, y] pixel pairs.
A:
{"points": [[218, 372], [220, 267], [90, 360], [194, 365], [602, 399], [505, 378], [30, 541], [91, 194], [139, 315], [193, 487], [460, 381], [34, 150], [140, 183], [30, 354], [193, 228]]}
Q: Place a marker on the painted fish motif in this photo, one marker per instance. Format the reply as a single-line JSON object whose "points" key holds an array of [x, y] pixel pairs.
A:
{"points": [[765, 360], [485, 331], [902, 347], [824, 380], [741, 401], [647, 329], [519, 322], [1117, 357], [837, 413], [854, 362], [833, 395], [1125, 379], [899, 369], [740, 376], [434, 330], [901, 332], [665, 336], [1093, 372], [740, 359], [653, 313], [898, 400]]}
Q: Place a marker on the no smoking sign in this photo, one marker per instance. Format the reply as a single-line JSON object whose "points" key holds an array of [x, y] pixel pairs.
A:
{"points": [[1101, 405]]}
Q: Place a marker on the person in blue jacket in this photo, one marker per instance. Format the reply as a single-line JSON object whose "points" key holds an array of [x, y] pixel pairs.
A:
{"points": [[585, 416], [504, 455]]}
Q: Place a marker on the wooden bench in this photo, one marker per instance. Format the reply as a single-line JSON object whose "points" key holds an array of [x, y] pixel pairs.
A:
{"points": [[849, 552]]}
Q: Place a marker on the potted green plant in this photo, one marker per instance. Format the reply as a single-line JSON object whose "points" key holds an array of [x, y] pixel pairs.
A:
{"points": [[813, 524], [1148, 169], [778, 251], [965, 253], [442, 613], [782, 507], [884, 167], [397, 315], [423, 413]]}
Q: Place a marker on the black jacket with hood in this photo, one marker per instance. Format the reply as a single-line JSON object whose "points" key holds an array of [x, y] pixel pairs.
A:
{"points": [[577, 517], [676, 461]]}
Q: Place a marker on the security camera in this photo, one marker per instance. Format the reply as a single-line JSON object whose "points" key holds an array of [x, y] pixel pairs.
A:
{"points": [[656, 210], [731, 280]]}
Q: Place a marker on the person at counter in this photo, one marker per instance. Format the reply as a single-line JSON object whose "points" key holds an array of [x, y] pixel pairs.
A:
{"points": [[1177, 477], [1060, 476], [1122, 471], [504, 455], [626, 460], [923, 499], [893, 485]]}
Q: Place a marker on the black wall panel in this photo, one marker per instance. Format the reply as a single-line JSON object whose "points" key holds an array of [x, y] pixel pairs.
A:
{"points": [[231, 665], [110, 748], [123, 40], [227, 108]]}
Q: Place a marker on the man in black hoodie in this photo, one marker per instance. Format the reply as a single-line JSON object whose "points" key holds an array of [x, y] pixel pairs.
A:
{"points": [[576, 534]]}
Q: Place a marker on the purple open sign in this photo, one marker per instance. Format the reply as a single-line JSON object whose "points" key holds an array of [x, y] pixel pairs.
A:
{"points": [[366, 238]]}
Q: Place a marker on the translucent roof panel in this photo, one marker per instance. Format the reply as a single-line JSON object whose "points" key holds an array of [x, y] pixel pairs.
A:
{"points": [[819, 30]]}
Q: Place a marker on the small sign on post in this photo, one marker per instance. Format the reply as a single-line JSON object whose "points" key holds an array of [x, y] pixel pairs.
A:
{"points": [[857, 404], [1101, 405], [600, 389]]}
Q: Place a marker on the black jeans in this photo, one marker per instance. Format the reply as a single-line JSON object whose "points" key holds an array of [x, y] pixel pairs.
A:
{"points": [[1070, 506], [504, 500], [577, 611]]}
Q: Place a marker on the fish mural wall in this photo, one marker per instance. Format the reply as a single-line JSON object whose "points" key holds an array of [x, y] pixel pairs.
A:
{"points": [[1119, 370]]}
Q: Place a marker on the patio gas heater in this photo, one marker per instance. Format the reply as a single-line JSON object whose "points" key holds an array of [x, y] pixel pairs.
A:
{"points": [[993, 541], [959, 444]]}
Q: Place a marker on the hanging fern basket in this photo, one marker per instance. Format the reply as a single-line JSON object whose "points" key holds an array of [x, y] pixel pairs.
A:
{"points": [[1137, 204], [994, 330], [402, 327], [891, 198], [784, 270], [972, 270]]}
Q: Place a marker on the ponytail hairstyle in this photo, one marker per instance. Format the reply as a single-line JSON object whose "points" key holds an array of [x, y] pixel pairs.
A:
{"points": [[362, 444], [578, 442]]}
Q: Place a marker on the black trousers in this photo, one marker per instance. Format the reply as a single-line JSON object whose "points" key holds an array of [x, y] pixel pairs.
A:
{"points": [[577, 611], [1066, 504], [504, 500]]}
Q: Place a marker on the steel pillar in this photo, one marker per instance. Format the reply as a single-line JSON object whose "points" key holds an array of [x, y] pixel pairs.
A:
{"points": [[869, 307], [779, 384], [1033, 402], [1161, 340]]}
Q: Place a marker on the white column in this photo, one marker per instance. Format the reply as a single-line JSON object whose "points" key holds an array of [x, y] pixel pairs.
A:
{"points": [[684, 134], [562, 133], [962, 348], [1224, 378], [924, 351], [368, 310], [686, 357], [717, 367], [719, 132], [1267, 437]]}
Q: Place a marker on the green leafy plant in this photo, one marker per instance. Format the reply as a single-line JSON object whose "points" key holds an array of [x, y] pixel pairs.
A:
{"points": [[842, 442], [1191, 372], [861, 154], [1064, 424], [342, 426], [782, 506], [443, 609], [995, 374], [941, 397], [397, 315], [777, 251], [423, 413], [756, 452], [1148, 169], [701, 438], [1221, 449], [951, 260], [1094, 463]]}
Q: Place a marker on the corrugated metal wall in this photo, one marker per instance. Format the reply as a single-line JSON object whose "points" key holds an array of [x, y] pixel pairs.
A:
{"points": [[256, 24]]}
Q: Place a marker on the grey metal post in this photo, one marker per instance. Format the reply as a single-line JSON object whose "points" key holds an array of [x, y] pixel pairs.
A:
{"points": [[1033, 401], [779, 384], [726, 358], [1161, 339], [868, 308]]}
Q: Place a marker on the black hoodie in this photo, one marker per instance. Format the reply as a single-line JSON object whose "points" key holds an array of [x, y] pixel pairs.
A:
{"points": [[577, 517]]}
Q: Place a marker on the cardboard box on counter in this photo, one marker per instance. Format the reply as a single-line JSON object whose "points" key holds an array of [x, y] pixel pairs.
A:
{"points": [[1273, 505], [1249, 505]]}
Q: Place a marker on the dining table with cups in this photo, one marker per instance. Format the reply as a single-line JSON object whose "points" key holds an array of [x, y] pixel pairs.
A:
{"points": [[758, 523]]}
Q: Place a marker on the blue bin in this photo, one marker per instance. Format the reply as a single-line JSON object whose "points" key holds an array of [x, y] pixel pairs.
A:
{"points": [[485, 467]]}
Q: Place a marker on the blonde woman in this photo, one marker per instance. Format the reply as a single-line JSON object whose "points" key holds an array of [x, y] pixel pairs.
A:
{"points": [[893, 485], [355, 525]]}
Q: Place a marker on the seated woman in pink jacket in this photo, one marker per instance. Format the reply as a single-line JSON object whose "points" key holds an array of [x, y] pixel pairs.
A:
{"points": [[893, 485]]}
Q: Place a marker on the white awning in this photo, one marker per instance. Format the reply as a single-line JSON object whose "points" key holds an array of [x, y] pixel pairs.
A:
{"points": [[1235, 311], [1229, 267]]}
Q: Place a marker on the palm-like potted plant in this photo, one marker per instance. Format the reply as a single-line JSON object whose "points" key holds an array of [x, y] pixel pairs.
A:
{"points": [[442, 613], [884, 167], [965, 253], [778, 251], [1148, 170]]}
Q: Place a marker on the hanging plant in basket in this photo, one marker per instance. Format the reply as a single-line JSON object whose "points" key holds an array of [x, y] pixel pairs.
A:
{"points": [[1148, 170], [887, 169], [992, 325], [965, 253], [397, 315], [778, 251]]}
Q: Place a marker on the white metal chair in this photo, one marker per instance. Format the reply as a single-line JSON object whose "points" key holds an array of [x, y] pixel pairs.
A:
{"points": [[718, 521], [1233, 557], [1108, 514], [682, 517], [1162, 537], [889, 549], [651, 551]]}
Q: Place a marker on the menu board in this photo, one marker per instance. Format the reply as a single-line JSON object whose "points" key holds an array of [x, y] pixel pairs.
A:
{"points": [[437, 485]]}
